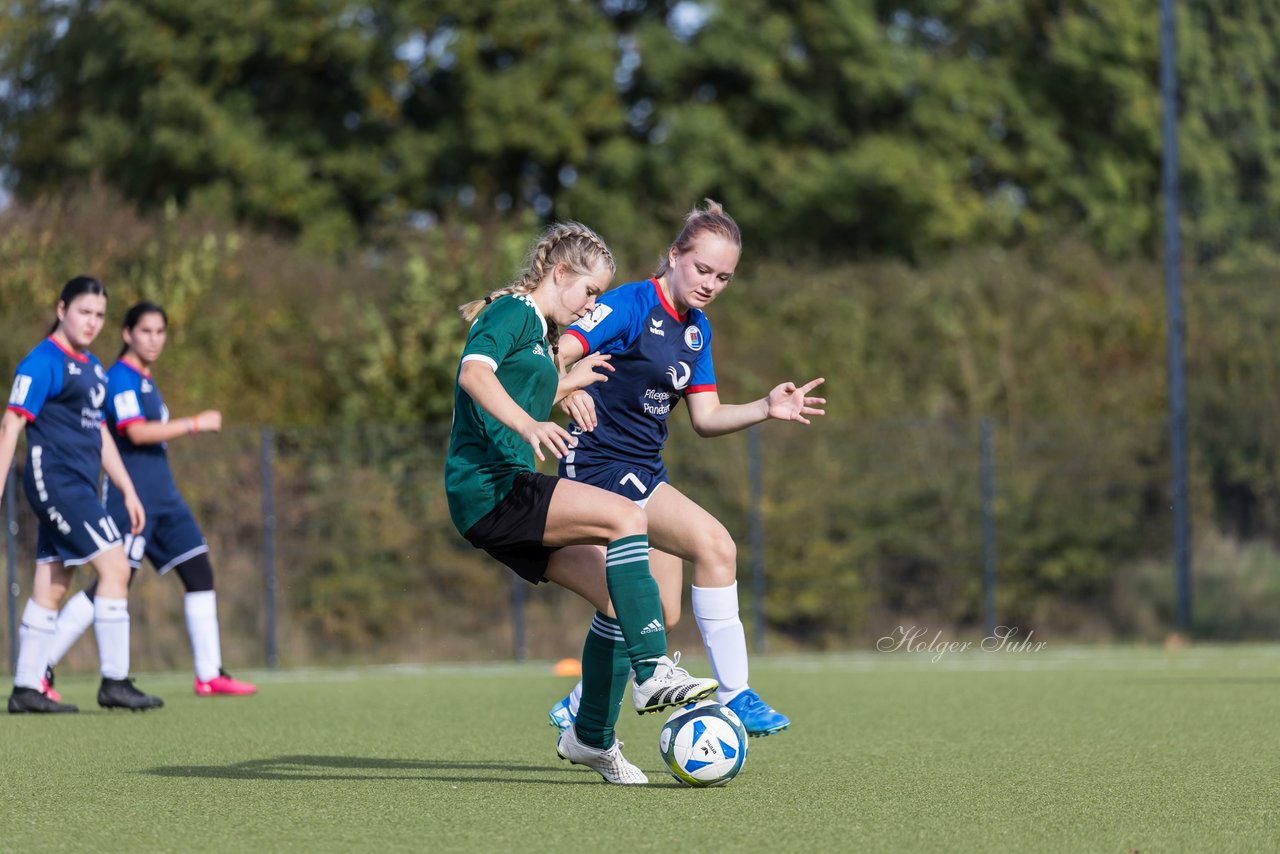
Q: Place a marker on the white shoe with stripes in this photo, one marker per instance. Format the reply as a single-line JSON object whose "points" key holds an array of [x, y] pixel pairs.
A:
{"points": [[670, 685], [609, 762]]}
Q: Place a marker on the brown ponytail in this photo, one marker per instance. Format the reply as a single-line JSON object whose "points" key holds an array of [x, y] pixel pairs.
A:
{"points": [[710, 218]]}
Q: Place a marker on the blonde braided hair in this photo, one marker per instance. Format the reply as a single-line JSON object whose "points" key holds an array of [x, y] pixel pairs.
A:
{"points": [[569, 243], [709, 218]]}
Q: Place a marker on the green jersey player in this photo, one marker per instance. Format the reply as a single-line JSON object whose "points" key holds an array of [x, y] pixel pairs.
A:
{"points": [[507, 382]]}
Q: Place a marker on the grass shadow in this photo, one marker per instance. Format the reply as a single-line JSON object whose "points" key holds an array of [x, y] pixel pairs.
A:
{"points": [[304, 768]]}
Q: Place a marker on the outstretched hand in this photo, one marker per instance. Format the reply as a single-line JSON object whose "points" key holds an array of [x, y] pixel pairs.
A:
{"points": [[584, 373], [557, 439], [789, 403], [581, 407]]}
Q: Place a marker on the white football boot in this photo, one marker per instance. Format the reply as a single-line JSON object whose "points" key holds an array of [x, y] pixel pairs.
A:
{"points": [[609, 763], [670, 685]]}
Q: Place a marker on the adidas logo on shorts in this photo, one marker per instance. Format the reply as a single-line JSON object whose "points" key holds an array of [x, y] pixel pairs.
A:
{"points": [[654, 626]]}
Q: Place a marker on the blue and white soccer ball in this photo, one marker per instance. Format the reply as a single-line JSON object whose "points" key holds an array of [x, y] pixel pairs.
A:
{"points": [[703, 744]]}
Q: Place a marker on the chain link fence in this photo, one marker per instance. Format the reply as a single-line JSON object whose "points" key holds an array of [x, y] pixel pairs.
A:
{"points": [[333, 545]]}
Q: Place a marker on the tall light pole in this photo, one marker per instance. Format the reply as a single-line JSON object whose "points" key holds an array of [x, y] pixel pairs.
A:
{"points": [[1173, 299]]}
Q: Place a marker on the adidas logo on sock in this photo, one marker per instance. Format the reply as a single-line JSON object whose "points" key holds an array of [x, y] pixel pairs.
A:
{"points": [[654, 626]]}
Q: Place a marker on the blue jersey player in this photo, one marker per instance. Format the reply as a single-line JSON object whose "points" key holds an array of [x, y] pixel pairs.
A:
{"points": [[58, 395], [507, 382], [659, 341], [139, 421]]}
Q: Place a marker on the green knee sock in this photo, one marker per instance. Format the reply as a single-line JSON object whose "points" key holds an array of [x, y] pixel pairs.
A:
{"points": [[605, 671], [636, 602]]}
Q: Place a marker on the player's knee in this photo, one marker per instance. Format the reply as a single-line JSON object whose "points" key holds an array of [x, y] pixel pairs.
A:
{"points": [[196, 573], [719, 553], [629, 520], [115, 573]]}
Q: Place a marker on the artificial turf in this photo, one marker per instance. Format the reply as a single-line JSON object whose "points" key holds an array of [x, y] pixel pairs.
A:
{"points": [[1115, 749]]}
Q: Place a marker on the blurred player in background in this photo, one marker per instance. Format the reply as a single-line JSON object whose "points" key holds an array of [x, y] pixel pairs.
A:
{"points": [[139, 422], [660, 343], [58, 395], [507, 382]]}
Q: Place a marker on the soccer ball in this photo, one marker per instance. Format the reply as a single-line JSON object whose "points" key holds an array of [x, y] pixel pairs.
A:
{"points": [[703, 744]]}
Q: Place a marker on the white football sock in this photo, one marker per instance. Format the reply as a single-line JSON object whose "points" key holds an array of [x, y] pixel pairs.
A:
{"points": [[74, 620], [716, 611], [575, 698], [202, 625], [35, 633], [111, 627]]}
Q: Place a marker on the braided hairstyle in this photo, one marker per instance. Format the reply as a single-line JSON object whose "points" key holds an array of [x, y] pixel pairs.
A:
{"points": [[711, 218], [569, 243]]}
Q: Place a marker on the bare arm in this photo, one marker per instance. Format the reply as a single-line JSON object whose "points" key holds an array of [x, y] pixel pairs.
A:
{"points": [[583, 374], [11, 425], [785, 402], [570, 350], [479, 381], [155, 432], [114, 467], [573, 402]]}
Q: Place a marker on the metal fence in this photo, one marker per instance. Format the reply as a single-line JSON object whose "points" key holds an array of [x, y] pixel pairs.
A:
{"points": [[334, 545]]}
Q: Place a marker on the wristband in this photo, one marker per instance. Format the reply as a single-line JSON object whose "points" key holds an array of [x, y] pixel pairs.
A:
{"points": [[191, 426]]}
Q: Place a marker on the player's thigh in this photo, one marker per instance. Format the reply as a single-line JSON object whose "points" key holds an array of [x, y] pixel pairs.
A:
{"points": [[680, 526], [579, 513]]}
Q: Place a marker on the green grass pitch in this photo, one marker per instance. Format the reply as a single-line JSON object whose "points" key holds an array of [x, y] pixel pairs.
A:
{"points": [[1062, 750]]}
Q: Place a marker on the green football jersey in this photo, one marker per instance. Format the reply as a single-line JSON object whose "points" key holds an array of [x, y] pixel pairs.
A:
{"points": [[484, 454]]}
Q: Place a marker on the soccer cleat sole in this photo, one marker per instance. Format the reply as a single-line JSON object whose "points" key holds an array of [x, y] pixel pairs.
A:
{"points": [[671, 697], [768, 732]]}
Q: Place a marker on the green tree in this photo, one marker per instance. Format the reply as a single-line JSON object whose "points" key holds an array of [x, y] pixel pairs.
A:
{"points": [[276, 113]]}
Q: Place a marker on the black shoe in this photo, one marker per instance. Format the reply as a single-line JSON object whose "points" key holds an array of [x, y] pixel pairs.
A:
{"points": [[120, 694], [24, 700]]}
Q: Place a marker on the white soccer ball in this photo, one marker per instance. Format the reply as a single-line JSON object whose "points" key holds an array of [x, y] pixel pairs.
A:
{"points": [[703, 744]]}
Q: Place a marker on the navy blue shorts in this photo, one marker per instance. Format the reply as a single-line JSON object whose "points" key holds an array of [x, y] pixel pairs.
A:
{"points": [[626, 479], [171, 537], [74, 527], [512, 532]]}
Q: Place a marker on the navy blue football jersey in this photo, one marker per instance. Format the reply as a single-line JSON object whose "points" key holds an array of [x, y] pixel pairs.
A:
{"points": [[658, 355], [61, 394], [132, 396]]}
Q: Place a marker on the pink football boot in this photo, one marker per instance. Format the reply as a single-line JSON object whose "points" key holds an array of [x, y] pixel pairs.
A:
{"points": [[225, 685], [46, 686]]}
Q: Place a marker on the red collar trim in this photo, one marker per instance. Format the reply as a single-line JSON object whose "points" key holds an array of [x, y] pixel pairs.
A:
{"points": [[79, 357], [140, 371], [662, 298]]}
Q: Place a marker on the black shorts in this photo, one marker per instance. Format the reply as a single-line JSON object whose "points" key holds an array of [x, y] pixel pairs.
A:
{"points": [[513, 531]]}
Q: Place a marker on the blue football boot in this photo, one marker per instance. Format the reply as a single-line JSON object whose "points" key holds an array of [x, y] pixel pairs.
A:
{"points": [[560, 715], [757, 718]]}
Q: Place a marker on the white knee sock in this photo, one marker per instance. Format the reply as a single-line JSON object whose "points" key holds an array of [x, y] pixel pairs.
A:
{"points": [[575, 697], [74, 620], [35, 633], [202, 625], [111, 627], [716, 611]]}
